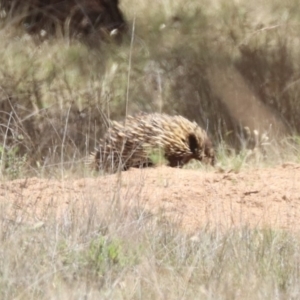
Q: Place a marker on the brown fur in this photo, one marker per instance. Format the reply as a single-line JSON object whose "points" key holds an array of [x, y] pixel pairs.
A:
{"points": [[130, 144]]}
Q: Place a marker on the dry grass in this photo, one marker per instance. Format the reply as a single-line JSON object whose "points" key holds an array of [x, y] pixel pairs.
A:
{"points": [[202, 60], [109, 252], [227, 66]]}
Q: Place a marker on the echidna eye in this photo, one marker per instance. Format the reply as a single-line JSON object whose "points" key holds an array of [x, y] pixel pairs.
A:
{"points": [[193, 143]]}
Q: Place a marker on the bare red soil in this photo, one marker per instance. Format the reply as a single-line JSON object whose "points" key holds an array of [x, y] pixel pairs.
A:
{"points": [[257, 198]]}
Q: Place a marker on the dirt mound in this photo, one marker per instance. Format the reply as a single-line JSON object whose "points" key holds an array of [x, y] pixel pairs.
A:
{"points": [[260, 197]]}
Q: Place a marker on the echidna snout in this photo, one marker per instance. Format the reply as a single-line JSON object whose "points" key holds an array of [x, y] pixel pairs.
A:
{"points": [[209, 152]]}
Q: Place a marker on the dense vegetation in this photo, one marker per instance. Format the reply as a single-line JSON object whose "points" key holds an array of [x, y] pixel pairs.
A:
{"points": [[232, 67]]}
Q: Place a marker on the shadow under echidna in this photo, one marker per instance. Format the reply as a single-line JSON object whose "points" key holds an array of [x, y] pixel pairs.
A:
{"points": [[133, 143]]}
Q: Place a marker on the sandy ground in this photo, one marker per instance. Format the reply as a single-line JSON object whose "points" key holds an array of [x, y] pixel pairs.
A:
{"points": [[259, 198]]}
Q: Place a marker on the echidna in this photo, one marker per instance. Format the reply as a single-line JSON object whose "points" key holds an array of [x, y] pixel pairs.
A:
{"points": [[132, 143]]}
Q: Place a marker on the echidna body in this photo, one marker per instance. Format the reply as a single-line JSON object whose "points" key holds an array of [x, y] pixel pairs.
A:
{"points": [[131, 144]]}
